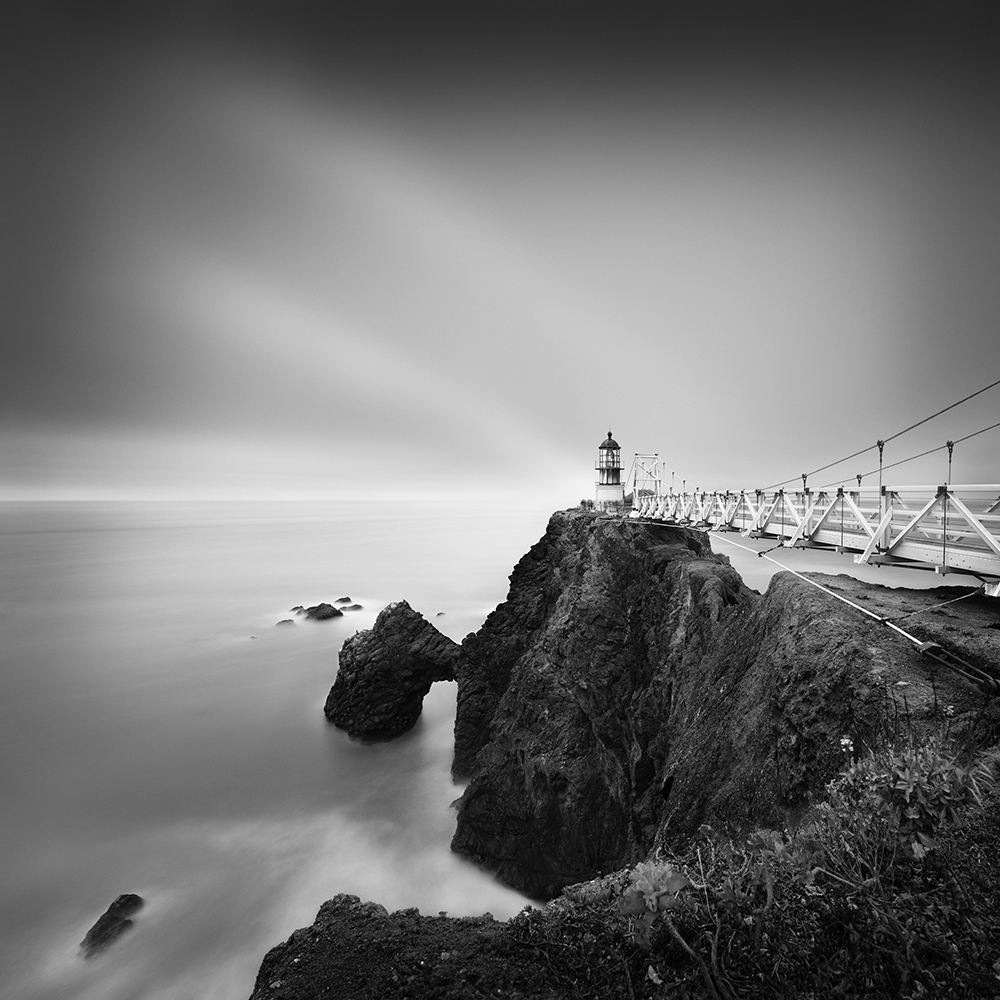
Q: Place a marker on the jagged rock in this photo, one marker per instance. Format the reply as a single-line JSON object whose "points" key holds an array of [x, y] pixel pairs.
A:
{"points": [[629, 689], [320, 612], [111, 924], [342, 600], [632, 688], [386, 670], [298, 609], [353, 607], [356, 950], [285, 621]]}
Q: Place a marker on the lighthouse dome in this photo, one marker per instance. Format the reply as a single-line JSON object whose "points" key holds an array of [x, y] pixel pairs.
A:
{"points": [[609, 442]]}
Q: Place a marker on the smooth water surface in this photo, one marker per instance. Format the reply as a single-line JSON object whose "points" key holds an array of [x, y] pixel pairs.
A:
{"points": [[159, 735]]}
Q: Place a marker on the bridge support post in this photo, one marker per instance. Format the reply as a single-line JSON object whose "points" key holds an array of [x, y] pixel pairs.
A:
{"points": [[884, 541]]}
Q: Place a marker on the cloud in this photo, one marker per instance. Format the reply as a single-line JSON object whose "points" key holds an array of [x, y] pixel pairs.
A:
{"points": [[404, 261]]}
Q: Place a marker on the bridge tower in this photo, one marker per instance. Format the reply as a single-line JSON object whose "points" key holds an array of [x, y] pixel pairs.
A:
{"points": [[610, 488]]}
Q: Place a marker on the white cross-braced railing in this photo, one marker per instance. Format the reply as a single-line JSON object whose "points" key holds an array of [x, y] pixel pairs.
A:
{"points": [[949, 529]]}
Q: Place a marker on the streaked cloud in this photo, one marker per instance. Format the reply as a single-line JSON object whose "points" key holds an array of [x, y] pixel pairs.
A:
{"points": [[310, 270]]}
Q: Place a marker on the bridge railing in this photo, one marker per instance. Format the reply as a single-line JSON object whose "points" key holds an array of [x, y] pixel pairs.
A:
{"points": [[944, 528]]}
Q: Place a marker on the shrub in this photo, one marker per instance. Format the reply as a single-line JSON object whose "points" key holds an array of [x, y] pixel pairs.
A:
{"points": [[855, 900], [923, 789]]}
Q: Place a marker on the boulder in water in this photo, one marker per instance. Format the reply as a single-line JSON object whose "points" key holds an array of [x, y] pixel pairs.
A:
{"points": [[112, 924], [320, 612], [385, 671]]}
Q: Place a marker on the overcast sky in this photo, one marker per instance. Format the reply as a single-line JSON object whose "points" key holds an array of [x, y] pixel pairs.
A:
{"points": [[413, 250]]}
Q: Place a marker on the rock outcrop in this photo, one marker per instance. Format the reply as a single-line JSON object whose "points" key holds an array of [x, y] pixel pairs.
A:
{"points": [[386, 670], [358, 951], [631, 688], [321, 612], [110, 926]]}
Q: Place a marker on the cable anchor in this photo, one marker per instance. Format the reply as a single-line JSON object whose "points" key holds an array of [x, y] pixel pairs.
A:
{"points": [[988, 683]]}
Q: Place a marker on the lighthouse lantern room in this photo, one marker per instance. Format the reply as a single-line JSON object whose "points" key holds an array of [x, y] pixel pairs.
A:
{"points": [[610, 488]]}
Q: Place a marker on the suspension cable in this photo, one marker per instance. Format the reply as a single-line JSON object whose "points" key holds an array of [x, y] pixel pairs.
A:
{"points": [[934, 607], [892, 465], [930, 451], [987, 682], [945, 410], [832, 593], [892, 437], [974, 433]]}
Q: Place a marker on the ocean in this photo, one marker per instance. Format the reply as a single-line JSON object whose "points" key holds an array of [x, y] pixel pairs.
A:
{"points": [[160, 735]]}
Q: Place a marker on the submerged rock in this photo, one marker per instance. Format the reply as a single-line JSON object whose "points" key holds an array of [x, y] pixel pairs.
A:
{"points": [[285, 621], [386, 670], [111, 924]]}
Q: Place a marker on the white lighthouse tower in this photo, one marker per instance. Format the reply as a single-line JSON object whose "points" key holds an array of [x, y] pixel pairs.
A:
{"points": [[610, 488]]}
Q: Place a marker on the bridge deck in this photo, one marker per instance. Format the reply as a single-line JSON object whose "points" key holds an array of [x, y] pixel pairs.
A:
{"points": [[947, 529]]}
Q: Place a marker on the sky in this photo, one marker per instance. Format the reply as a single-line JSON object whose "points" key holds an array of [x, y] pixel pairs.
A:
{"points": [[439, 250]]}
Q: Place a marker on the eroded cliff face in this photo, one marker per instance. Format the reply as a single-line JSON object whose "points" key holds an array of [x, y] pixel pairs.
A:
{"points": [[632, 688]]}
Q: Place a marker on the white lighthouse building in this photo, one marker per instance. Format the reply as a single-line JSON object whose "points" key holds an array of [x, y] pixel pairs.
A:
{"points": [[610, 488]]}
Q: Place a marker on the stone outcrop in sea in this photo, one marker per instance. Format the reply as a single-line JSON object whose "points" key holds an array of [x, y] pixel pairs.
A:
{"points": [[386, 670], [111, 924]]}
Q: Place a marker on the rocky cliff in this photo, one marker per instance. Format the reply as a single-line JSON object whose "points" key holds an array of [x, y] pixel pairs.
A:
{"points": [[631, 688]]}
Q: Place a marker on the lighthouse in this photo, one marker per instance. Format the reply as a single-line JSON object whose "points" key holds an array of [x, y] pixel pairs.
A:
{"points": [[610, 489]]}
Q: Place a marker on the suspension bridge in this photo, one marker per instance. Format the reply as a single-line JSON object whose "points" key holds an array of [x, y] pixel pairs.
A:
{"points": [[947, 529], [944, 528]]}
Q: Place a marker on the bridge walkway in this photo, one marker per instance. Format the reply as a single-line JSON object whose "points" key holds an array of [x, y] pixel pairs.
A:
{"points": [[945, 529]]}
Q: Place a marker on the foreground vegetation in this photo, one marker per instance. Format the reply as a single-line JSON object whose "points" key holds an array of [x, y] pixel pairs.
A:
{"points": [[886, 888]]}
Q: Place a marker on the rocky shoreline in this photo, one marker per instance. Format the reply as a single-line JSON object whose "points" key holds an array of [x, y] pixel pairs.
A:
{"points": [[630, 692]]}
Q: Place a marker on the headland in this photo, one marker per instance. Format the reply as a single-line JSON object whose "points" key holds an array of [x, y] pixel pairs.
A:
{"points": [[644, 741]]}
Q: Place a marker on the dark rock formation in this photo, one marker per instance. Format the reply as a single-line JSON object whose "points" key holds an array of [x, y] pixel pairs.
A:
{"points": [[385, 671], [342, 600], [358, 951], [632, 688], [353, 607], [112, 924], [321, 612], [286, 621]]}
